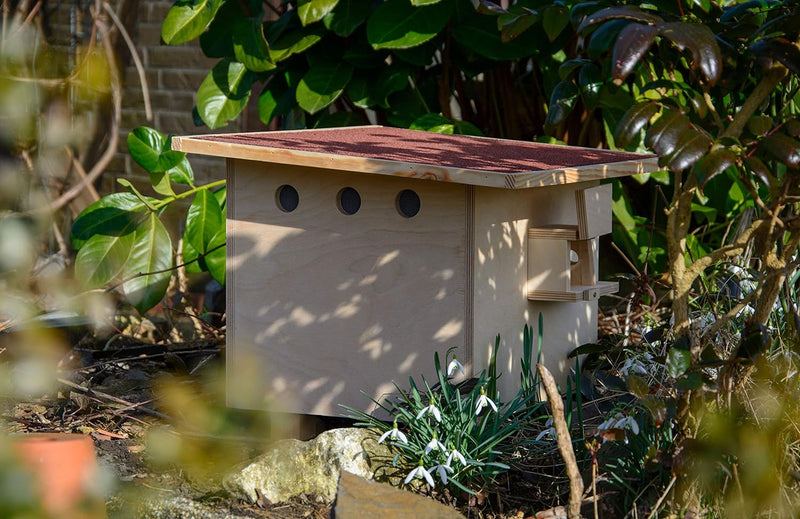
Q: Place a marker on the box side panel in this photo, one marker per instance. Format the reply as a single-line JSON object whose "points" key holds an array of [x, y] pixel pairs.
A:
{"points": [[502, 220], [327, 304]]}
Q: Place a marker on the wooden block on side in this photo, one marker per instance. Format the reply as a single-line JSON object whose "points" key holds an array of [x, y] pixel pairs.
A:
{"points": [[594, 211], [554, 232], [548, 265], [584, 272], [576, 293]]}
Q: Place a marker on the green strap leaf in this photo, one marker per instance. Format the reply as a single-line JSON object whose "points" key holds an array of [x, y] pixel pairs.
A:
{"points": [[151, 252], [187, 19], [224, 93], [397, 24], [311, 11], [322, 85]]}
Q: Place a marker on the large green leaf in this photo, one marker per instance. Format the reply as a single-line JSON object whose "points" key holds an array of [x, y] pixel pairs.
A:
{"points": [[554, 20], [278, 97], [393, 78], [347, 16], [149, 261], [204, 220], [311, 11], [187, 19], [113, 215], [151, 150], [102, 257], [397, 24], [479, 34], [215, 259], [678, 361], [322, 85], [295, 42], [250, 46], [223, 94]]}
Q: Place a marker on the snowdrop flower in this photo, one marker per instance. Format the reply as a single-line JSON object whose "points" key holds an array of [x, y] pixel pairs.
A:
{"points": [[628, 422], [420, 473], [454, 454], [549, 430], [442, 471], [394, 434], [637, 364], [431, 409], [455, 366], [484, 401], [434, 445]]}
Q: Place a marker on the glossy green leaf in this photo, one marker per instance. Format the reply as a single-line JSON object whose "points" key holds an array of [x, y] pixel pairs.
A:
{"points": [[691, 382], [783, 148], [322, 85], [358, 91], [204, 220], [617, 13], [295, 42], [633, 122], [278, 97], [397, 24], [759, 125], [555, 19], [147, 201], [633, 42], [701, 42], [102, 257], [114, 215], [215, 259], [151, 150], [250, 46], [192, 261], [340, 119], [151, 252], [479, 34], [590, 80], [311, 11], [390, 80], [605, 37], [678, 361], [187, 19], [562, 101], [223, 94], [514, 23], [347, 16], [566, 69]]}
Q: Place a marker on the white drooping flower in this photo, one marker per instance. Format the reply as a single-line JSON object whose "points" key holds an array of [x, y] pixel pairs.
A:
{"points": [[484, 401], [454, 454], [455, 366], [395, 434], [434, 445], [549, 430], [442, 470], [431, 409], [420, 473]]}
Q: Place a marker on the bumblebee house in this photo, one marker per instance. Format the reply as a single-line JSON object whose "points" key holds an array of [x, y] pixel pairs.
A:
{"points": [[356, 253]]}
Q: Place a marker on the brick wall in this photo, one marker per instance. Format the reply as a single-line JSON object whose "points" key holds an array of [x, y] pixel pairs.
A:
{"points": [[173, 74]]}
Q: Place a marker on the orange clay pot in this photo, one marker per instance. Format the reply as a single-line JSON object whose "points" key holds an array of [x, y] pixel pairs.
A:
{"points": [[64, 467]]}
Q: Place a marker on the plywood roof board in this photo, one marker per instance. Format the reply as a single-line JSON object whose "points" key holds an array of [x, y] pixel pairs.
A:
{"points": [[462, 159]]}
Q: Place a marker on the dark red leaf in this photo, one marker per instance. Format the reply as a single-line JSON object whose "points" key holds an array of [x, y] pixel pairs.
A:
{"points": [[690, 148], [664, 135], [632, 122], [792, 127], [700, 41], [757, 166], [632, 43], [779, 49], [783, 148], [615, 13], [713, 164]]}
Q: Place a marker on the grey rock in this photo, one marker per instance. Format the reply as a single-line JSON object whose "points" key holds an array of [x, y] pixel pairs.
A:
{"points": [[357, 498], [293, 467], [181, 508]]}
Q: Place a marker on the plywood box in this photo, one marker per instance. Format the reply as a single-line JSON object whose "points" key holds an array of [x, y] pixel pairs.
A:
{"points": [[356, 253]]}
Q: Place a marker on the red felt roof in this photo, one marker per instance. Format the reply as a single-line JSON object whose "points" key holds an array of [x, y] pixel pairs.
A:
{"points": [[420, 147]]}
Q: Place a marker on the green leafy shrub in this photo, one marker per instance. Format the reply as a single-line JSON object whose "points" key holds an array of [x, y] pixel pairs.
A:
{"points": [[121, 239]]}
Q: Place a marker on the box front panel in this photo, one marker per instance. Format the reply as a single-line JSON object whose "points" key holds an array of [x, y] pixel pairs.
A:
{"points": [[325, 304]]}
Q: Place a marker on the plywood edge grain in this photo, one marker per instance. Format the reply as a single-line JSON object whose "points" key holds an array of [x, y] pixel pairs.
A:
{"points": [[588, 173], [575, 293]]}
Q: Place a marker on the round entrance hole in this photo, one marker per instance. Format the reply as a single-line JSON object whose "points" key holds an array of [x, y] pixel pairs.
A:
{"points": [[408, 203], [287, 198], [348, 201]]}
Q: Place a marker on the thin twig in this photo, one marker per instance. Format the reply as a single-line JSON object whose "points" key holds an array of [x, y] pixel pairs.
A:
{"points": [[136, 60], [111, 398], [663, 496], [564, 442]]}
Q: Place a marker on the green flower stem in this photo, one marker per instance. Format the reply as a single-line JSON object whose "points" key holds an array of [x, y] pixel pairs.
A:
{"points": [[186, 194]]}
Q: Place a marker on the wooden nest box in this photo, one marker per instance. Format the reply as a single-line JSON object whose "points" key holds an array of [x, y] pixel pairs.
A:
{"points": [[356, 253]]}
